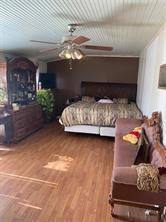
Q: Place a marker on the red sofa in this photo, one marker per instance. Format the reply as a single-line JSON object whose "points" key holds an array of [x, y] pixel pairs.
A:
{"points": [[124, 180]]}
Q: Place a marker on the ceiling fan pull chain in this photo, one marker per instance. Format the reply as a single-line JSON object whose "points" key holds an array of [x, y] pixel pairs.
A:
{"points": [[70, 64]]}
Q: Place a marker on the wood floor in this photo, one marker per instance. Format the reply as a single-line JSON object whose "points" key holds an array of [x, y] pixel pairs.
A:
{"points": [[53, 176]]}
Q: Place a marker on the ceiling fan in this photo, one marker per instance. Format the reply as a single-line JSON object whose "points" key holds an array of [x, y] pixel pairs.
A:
{"points": [[71, 45]]}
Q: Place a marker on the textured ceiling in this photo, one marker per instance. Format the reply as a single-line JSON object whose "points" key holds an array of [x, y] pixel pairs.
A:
{"points": [[127, 25]]}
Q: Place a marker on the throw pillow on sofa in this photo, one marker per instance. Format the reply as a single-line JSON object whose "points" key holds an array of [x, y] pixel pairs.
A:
{"points": [[133, 136]]}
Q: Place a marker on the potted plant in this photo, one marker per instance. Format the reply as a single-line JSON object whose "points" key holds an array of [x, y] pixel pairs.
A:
{"points": [[3, 91], [45, 98]]}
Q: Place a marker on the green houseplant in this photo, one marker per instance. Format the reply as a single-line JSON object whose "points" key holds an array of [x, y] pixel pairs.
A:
{"points": [[3, 92], [45, 98]]}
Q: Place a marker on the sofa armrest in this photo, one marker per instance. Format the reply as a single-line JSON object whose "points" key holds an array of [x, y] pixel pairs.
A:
{"points": [[125, 175], [123, 126]]}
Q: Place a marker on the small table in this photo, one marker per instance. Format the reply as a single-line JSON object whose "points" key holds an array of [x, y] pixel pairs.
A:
{"points": [[6, 120]]}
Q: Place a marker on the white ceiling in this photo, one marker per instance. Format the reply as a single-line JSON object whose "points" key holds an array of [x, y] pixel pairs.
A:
{"points": [[127, 25]]}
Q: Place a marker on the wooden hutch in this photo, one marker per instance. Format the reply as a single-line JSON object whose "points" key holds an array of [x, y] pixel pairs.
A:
{"points": [[21, 83]]}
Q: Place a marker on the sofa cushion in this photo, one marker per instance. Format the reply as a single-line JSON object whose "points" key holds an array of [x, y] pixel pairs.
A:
{"points": [[124, 152], [158, 157], [149, 131], [157, 153]]}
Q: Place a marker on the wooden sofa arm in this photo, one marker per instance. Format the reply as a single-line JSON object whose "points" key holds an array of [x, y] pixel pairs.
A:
{"points": [[123, 126], [122, 176]]}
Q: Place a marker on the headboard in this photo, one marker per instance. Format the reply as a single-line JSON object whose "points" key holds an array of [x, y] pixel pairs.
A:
{"points": [[112, 90]]}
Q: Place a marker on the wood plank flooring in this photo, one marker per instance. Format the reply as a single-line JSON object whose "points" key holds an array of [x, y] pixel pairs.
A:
{"points": [[53, 176]]}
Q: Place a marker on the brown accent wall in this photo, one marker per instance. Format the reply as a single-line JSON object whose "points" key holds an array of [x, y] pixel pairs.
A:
{"points": [[95, 69]]}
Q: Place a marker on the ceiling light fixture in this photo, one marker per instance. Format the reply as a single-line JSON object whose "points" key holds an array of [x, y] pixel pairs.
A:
{"points": [[71, 53], [78, 54]]}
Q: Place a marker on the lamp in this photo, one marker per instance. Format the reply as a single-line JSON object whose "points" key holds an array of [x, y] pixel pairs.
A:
{"points": [[78, 54], [62, 54], [71, 53]]}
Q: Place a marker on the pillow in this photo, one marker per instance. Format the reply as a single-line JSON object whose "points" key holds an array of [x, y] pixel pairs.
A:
{"points": [[133, 135], [105, 101], [120, 100], [142, 155], [158, 156], [88, 99]]}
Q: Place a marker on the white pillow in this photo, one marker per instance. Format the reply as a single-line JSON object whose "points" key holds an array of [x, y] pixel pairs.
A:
{"points": [[105, 101]]}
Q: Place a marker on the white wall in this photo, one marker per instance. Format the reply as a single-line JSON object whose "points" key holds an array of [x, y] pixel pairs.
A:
{"points": [[42, 67], [149, 97]]}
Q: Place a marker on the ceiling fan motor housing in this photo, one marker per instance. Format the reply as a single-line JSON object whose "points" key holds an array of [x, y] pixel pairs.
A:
{"points": [[72, 27]]}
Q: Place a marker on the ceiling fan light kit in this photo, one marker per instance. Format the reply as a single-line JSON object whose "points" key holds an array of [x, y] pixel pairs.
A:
{"points": [[78, 54], [71, 53]]}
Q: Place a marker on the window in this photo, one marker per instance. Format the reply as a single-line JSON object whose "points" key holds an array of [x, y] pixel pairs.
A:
{"points": [[162, 77]]}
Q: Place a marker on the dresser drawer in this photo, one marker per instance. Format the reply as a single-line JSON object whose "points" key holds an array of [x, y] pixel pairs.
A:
{"points": [[26, 121], [20, 134]]}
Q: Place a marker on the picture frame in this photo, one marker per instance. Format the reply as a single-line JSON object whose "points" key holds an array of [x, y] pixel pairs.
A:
{"points": [[162, 77]]}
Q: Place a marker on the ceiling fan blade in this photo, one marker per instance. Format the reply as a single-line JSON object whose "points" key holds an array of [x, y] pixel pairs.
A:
{"points": [[95, 47], [80, 39], [49, 50], [54, 43]]}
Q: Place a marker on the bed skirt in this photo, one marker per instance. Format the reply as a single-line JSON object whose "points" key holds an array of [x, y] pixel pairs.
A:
{"points": [[98, 130]]}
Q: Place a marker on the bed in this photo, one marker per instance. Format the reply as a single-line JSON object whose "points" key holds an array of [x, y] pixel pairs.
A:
{"points": [[100, 118]]}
